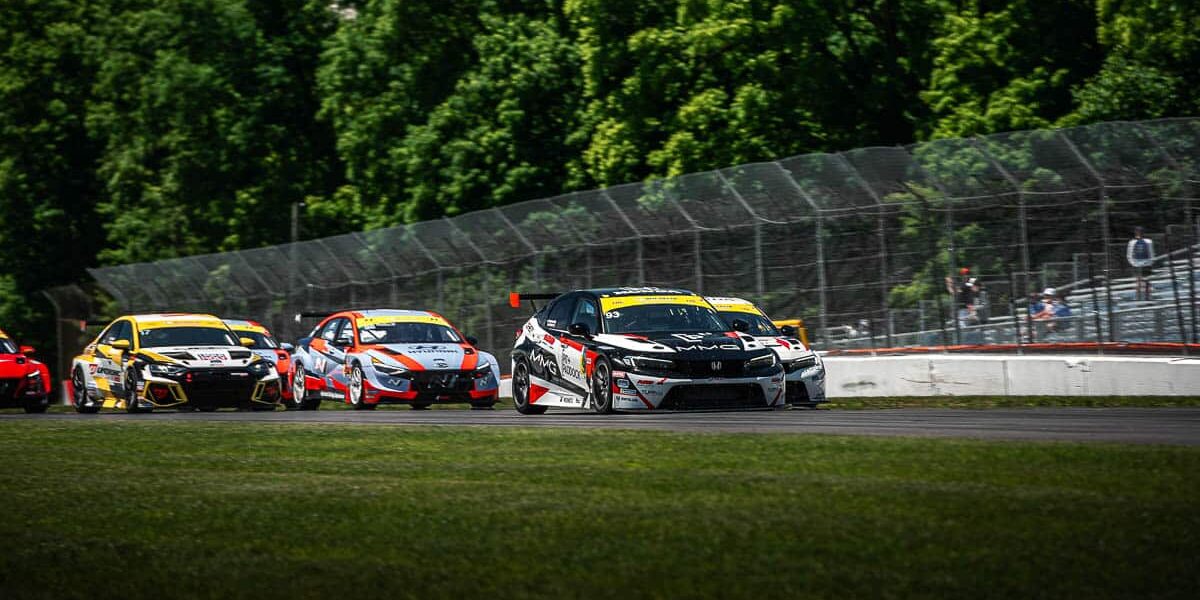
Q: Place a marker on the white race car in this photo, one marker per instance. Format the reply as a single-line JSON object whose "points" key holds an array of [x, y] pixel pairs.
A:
{"points": [[805, 369], [637, 349]]}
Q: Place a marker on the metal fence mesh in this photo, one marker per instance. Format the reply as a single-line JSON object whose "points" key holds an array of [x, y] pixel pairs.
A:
{"points": [[859, 244]]}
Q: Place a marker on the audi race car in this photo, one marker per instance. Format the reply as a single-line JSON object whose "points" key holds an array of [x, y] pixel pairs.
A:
{"points": [[805, 371], [265, 346], [188, 361], [637, 349], [370, 357], [24, 382]]}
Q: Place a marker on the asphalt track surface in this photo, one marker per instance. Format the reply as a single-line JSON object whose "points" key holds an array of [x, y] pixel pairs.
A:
{"points": [[1122, 425]]}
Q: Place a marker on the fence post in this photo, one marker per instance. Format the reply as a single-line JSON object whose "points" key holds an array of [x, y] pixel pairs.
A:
{"points": [[1105, 239], [1095, 296], [881, 234], [697, 245], [1022, 214], [759, 268], [639, 256], [1175, 289], [820, 234]]}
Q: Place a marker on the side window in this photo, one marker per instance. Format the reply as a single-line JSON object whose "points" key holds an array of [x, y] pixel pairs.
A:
{"points": [[110, 335], [587, 313], [330, 330], [125, 332], [560, 313], [345, 336]]}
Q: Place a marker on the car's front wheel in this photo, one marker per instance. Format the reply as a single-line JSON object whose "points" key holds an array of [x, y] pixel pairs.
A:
{"points": [[37, 406], [131, 394], [79, 393], [300, 396], [356, 390], [602, 396], [520, 389]]}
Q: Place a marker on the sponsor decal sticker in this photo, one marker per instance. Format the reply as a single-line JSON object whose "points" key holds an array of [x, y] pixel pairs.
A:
{"points": [[386, 319], [609, 304]]}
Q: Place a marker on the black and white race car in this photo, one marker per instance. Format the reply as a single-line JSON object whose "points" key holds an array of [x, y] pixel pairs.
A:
{"points": [[637, 349]]}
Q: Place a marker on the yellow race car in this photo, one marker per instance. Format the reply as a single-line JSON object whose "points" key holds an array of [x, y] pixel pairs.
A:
{"points": [[179, 360]]}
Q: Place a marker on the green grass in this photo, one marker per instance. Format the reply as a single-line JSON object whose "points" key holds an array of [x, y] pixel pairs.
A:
{"points": [[218, 510]]}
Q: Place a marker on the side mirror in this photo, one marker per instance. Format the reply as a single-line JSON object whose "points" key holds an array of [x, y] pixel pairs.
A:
{"points": [[788, 331], [286, 347], [247, 342], [579, 329], [472, 340], [120, 345], [27, 350], [740, 325]]}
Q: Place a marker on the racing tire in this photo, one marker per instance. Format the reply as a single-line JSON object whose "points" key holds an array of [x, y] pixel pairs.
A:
{"points": [[131, 405], [300, 399], [79, 394], [356, 390], [520, 389], [37, 406], [602, 396]]}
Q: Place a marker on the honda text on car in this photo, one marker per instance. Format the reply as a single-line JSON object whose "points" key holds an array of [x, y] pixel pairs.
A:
{"points": [[187, 361], [370, 357], [805, 371], [636, 349], [24, 382]]}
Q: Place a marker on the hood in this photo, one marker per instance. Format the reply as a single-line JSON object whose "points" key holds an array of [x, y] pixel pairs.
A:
{"points": [[683, 343], [202, 356], [427, 356], [267, 354], [15, 365], [786, 348]]}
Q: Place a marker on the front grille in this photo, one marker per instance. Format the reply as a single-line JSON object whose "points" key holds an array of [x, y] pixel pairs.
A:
{"points": [[714, 397], [219, 387], [8, 388], [797, 392], [442, 382], [704, 368]]}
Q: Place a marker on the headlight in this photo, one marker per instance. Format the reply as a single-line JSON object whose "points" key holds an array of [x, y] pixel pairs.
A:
{"points": [[167, 370], [762, 362], [260, 368], [386, 369], [482, 372], [646, 363]]}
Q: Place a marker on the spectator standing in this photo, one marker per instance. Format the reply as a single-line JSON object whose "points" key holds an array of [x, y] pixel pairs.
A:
{"points": [[964, 297], [1140, 254]]}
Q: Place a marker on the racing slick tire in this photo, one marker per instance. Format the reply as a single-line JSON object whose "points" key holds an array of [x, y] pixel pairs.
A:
{"points": [[520, 389], [356, 390], [300, 399], [79, 393], [36, 406], [602, 396], [131, 405]]}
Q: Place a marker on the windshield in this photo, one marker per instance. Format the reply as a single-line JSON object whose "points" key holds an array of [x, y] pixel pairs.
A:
{"points": [[186, 336], [262, 341], [7, 346], [406, 333], [759, 325], [663, 318]]}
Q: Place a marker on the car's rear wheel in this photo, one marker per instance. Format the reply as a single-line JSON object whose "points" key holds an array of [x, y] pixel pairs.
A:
{"points": [[131, 399], [602, 396], [300, 396], [356, 390], [520, 389], [79, 393]]}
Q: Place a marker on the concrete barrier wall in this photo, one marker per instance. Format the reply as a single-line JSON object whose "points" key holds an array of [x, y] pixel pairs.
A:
{"points": [[993, 375], [990, 375]]}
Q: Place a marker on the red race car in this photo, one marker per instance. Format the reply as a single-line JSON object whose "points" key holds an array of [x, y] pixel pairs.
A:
{"points": [[24, 382]]}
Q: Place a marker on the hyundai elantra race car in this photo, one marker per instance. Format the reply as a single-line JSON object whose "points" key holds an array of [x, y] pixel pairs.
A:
{"points": [[637, 349], [370, 357], [265, 346], [24, 382], [804, 368], [188, 361]]}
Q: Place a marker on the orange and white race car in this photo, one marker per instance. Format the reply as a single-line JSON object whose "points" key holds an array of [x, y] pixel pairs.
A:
{"points": [[369, 357]]}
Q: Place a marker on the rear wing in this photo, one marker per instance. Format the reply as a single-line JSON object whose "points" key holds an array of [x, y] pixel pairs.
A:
{"points": [[515, 298]]}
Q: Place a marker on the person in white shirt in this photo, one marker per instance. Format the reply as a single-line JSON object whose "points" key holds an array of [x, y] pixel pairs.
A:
{"points": [[1140, 254]]}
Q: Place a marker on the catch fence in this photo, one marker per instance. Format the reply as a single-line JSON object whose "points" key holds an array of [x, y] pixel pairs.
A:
{"points": [[858, 244]]}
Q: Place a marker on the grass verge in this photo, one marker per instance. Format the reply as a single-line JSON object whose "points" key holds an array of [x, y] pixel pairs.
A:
{"points": [[223, 510]]}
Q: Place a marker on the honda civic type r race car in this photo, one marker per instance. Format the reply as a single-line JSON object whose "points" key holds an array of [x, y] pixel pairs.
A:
{"points": [[368, 357], [636, 349], [265, 346], [805, 371], [189, 361], [24, 382]]}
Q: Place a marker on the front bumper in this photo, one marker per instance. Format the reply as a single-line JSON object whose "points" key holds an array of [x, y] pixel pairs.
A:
{"points": [[430, 387], [220, 388], [17, 392], [636, 392], [806, 387]]}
